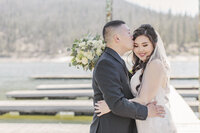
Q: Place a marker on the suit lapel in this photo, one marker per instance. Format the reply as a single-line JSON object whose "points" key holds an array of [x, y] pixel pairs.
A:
{"points": [[115, 55]]}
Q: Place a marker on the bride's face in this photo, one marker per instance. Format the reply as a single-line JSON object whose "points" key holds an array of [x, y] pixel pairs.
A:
{"points": [[142, 47]]}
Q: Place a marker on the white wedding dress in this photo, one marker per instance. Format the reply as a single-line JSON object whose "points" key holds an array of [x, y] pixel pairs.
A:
{"points": [[156, 124]]}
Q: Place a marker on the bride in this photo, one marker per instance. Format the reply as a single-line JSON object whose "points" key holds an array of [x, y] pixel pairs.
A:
{"points": [[150, 80]]}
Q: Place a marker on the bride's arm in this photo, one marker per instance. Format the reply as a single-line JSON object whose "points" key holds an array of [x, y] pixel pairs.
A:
{"points": [[152, 81]]}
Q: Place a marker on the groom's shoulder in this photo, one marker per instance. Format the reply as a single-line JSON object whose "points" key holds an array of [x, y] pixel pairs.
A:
{"points": [[105, 61], [104, 58]]}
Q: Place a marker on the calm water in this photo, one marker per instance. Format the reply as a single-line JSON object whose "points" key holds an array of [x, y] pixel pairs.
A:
{"points": [[15, 75]]}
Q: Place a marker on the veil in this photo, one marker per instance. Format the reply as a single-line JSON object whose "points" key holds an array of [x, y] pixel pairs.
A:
{"points": [[160, 54]]}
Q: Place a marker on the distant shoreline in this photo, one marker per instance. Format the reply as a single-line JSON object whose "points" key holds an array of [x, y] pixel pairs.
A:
{"points": [[68, 58]]}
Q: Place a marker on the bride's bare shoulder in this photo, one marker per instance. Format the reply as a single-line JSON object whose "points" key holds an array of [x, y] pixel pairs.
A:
{"points": [[156, 65]]}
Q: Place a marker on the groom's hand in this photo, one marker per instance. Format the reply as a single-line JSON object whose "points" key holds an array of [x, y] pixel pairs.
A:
{"points": [[155, 110]]}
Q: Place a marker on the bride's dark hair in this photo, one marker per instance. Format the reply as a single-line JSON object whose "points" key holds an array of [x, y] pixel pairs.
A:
{"points": [[148, 31]]}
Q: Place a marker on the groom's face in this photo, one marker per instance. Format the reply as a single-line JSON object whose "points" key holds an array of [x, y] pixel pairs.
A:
{"points": [[126, 37]]}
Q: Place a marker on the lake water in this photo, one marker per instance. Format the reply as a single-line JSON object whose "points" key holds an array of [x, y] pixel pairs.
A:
{"points": [[16, 75]]}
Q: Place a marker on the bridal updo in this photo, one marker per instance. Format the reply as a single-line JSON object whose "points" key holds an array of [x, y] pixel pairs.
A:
{"points": [[148, 31]]}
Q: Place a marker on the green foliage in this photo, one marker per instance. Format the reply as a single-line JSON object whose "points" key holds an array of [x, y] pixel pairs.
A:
{"points": [[86, 51], [45, 27]]}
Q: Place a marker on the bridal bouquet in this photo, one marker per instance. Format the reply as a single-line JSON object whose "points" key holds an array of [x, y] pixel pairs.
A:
{"points": [[86, 51]]}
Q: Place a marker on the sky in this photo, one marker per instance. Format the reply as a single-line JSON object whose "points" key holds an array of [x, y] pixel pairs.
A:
{"points": [[177, 6]]}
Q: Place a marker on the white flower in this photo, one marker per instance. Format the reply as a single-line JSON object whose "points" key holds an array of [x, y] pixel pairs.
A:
{"points": [[98, 52], [88, 48], [93, 42], [77, 60], [82, 44], [89, 42], [89, 55], [84, 60], [99, 42], [80, 54]]}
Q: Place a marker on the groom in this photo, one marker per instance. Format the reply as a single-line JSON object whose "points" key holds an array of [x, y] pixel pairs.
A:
{"points": [[111, 83]]}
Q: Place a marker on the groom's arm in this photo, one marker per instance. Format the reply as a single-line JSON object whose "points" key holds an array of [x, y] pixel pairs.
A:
{"points": [[108, 79]]}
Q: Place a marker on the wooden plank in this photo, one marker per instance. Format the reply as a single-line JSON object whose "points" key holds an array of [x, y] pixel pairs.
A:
{"points": [[179, 108], [189, 93], [74, 93], [64, 87], [46, 106], [89, 86], [50, 94], [186, 87], [184, 78], [90, 77], [194, 105]]}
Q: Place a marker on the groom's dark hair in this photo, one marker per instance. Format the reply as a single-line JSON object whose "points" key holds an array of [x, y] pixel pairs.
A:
{"points": [[111, 24]]}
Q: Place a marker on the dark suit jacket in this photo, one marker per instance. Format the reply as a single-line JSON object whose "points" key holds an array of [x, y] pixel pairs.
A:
{"points": [[111, 83]]}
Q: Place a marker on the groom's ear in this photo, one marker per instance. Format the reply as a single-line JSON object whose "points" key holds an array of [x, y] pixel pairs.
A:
{"points": [[116, 38]]}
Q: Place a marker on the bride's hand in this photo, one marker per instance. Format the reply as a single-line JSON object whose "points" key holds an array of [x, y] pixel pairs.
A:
{"points": [[101, 108]]}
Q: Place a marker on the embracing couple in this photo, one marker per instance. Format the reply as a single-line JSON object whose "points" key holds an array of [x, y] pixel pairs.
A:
{"points": [[133, 102]]}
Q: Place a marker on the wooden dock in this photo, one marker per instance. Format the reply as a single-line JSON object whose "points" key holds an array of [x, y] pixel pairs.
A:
{"points": [[90, 77], [186, 87], [184, 78], [64, 87], [186, 121], [77, 92], [194, 105], [51, 94], [189, 93], [46, 106], [52, 106], [72, 94], [89, 86]]}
